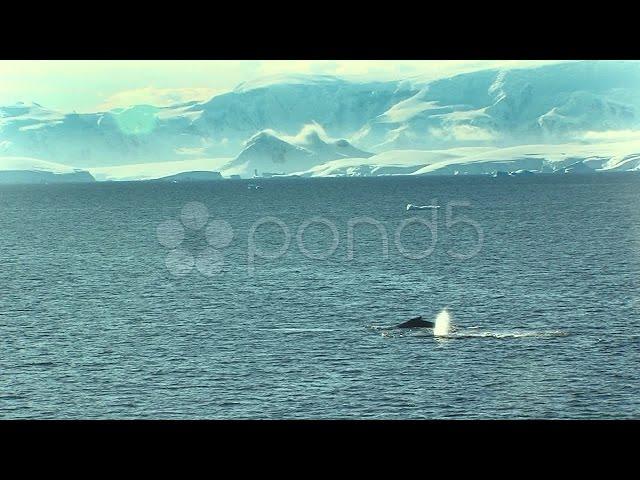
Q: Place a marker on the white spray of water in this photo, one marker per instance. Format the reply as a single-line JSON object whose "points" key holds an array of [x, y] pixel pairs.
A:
{"points": [[442, 324]]}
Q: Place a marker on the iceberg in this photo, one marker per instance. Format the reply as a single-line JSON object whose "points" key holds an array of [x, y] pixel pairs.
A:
{"points": [[411, 206]]}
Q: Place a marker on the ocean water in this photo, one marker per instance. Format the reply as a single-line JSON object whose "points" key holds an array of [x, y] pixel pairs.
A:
{"points": [[144, 300]]}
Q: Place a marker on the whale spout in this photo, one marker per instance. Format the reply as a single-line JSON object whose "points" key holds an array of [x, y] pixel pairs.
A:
{"points": [[416, 322], [442, 324]]}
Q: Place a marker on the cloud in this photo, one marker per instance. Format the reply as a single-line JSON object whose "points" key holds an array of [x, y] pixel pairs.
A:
{"points": [[304, 134], [303, 137], [82, 85], [609, 135], [389, 70], [462, 133], [158, 97]]}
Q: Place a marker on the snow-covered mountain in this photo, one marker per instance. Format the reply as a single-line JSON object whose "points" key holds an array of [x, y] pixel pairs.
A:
{"points": [[265, 152], [550, 104], [287, 124], [287, 104], [216, 128]]}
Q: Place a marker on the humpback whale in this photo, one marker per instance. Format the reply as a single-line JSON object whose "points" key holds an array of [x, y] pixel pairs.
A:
{"points": [[416, 322]]}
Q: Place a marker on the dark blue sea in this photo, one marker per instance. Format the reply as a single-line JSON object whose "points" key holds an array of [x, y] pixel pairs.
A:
{"points": [[221, 300]]}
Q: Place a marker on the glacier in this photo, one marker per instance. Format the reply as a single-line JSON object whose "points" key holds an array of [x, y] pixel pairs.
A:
{"points": [[24, 170], [545, 158]]}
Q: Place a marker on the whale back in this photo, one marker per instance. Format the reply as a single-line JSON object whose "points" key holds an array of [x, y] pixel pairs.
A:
{"points": [[416, 322]]}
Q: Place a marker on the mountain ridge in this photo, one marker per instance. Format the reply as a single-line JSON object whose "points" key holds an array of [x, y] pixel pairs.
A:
{"points": [[557, 104]]}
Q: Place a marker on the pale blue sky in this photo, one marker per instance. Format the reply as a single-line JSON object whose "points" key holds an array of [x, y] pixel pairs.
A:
{"points": [[90, 85]]}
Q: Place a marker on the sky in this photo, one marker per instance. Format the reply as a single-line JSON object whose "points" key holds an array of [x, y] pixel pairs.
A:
{"points": [[93, 85]]}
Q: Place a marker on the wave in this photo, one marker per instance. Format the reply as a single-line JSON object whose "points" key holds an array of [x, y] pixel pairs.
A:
{"points": [[507, 334], [474, 332], [382, 327], [302, 330]]}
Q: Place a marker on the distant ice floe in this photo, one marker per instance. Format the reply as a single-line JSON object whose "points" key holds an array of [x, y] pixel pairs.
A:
{"points": [[411, 206]]}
